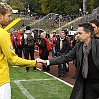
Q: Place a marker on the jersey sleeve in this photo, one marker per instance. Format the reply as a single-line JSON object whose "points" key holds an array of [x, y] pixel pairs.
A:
{"points": [[9, 53]]}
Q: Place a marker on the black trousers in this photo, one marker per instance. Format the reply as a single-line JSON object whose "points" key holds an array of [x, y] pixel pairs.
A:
{"points": [[19, 51], [91, 90], [45, 57], [61, 67], [29, 50]]}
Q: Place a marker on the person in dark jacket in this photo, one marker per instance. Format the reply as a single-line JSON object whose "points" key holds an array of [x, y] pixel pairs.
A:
{"points": [[62, 47], [87, 54], [43, 52], [28, 49]]}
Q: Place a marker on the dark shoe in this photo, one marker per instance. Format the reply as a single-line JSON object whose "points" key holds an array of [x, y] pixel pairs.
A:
{"points": [[34, 68], [44, 68], [64, 76], [48, 68], [26, 70], [59, 76], [67, 69]]}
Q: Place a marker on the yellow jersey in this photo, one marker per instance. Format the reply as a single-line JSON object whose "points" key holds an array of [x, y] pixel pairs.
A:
{"points": [[7, 54]]}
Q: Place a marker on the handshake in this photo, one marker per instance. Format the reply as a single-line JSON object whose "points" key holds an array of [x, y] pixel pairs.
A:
{"points": [[40, 62]]}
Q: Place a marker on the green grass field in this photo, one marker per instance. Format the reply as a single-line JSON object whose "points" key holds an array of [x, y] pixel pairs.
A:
{"points": [[36, 85]]}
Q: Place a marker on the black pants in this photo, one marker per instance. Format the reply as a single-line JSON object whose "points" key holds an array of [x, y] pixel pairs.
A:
{"points": [[91, 91], [61, 67], [45, 68], [19, 51], [29, 50]]}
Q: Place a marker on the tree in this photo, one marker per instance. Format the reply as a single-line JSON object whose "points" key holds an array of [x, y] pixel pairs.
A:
{"points": [[91, 4], [53, 6], [16, 4], [35, 6], [75, 8]]}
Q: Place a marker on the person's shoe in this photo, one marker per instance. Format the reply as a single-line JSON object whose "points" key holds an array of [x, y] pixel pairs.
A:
{"points": [[64, 76], [43, 70], [67, 70], [48, 68], [26, 70], [59, 76], [67, 67], [34, 68]]}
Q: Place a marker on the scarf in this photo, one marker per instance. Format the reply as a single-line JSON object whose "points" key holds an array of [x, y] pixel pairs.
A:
{"points": [[86, 50], [61, 43]]}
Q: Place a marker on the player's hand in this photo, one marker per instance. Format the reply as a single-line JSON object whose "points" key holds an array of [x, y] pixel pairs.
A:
{"points": [[41, 61]]}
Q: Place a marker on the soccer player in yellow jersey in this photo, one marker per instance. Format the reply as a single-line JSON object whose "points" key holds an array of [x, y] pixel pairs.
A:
{"points": [[7, 53]]}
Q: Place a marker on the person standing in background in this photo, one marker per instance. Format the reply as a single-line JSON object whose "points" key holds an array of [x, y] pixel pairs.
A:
{"points": [[62, 47], [53, 44], [43, 52], [28, 45], [19, 42], [13, 39]]}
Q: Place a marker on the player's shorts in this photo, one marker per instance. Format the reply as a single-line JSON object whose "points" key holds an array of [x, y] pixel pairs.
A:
{"points": [[5, 91]]}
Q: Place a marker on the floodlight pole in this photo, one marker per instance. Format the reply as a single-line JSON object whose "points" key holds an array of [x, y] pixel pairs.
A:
{"points": [[60, 17], [84, 6]]}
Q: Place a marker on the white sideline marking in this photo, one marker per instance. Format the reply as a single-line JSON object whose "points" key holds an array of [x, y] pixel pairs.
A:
{"points": [[33, 80], [58, 79], [24, 91]]}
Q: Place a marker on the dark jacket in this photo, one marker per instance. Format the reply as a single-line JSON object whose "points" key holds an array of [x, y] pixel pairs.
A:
{"points": [[65, 46], [43, 47], [77, 53]]}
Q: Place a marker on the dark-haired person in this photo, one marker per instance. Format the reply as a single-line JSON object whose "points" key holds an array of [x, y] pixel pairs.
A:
{"points": [[62, 47], [7, 53], [28, 46], [95, 25], [86, 52]]}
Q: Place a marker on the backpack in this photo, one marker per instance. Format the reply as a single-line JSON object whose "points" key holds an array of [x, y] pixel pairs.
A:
{"points": [[48, 44], [30, 40]]}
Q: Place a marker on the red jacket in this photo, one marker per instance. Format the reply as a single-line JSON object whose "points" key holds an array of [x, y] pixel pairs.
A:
{"points": [[54, 38], [19, 39]]}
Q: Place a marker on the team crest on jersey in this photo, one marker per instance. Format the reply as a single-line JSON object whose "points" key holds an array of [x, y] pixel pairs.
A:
{"points": [[11, 48]]}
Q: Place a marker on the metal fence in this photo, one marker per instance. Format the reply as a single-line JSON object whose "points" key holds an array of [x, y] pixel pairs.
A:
{"points": [[87, 18], [45, 22]]}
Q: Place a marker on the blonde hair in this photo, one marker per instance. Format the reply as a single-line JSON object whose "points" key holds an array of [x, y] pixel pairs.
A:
{"points": [[4, 7]]}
